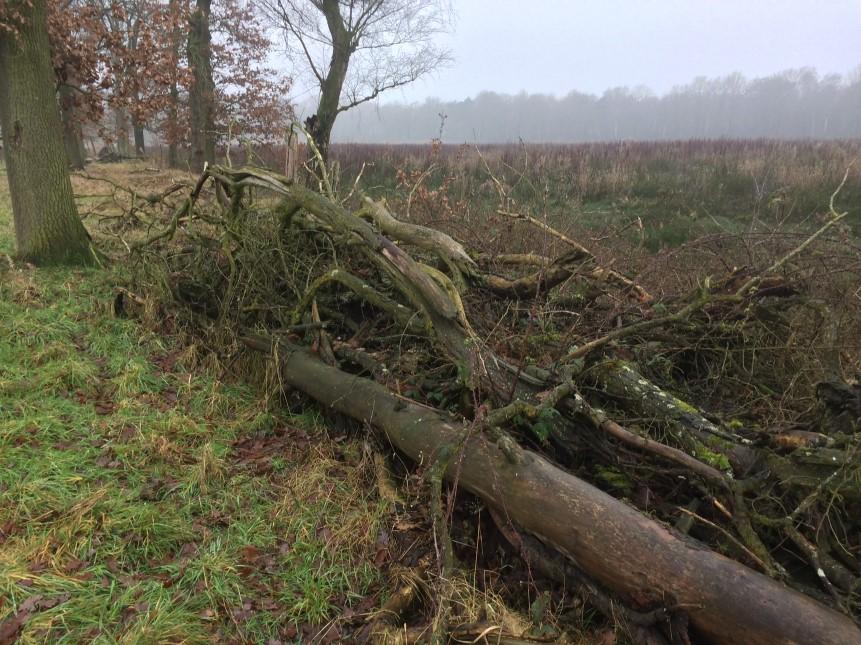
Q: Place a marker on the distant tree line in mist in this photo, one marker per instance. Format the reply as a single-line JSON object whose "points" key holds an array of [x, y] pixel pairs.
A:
{"points": [[793, 104]]}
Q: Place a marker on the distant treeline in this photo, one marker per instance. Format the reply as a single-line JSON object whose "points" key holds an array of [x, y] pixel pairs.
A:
{"points": [[793, 104]]}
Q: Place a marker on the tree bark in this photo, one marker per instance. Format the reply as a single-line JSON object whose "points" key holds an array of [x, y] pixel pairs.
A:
{"points": [[172, 151], [333, 83], [173, 125], [72, 137], [611, 542], [202, 92], [121, 132], [173, 106], [140, 143], [47, 227]]}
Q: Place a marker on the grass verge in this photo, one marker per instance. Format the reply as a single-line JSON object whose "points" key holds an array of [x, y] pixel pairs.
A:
{"points": [[143, 500]]}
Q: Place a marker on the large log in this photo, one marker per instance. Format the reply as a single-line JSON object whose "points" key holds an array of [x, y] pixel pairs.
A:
{"points": [[611, 542]]}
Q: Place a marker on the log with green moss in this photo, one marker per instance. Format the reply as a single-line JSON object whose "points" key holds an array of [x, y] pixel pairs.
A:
{"points": [[612, 543]]}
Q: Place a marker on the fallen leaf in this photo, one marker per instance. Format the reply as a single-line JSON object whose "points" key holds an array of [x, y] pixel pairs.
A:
{"points": [[53, 601], [269, 604], [30, 604], [11, 628], [381, 556], [249, 554], [188, 550], [104, 408], [331, 635], [74, 565]]}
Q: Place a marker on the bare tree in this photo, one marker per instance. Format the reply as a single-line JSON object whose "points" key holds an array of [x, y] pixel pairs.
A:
{"points": [[357, 49]]}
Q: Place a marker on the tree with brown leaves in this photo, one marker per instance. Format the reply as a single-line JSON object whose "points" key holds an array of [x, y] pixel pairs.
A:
{"points": [[146, 63]]}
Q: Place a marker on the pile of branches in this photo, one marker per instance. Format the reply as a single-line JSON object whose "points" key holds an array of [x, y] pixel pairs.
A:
{"points": [[684, 518]]}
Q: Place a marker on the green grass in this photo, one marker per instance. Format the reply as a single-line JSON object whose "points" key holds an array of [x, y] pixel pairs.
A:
{"points": [[127, 503], [677, 191]]}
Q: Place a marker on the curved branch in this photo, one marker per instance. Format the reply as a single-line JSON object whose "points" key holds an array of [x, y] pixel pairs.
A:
{"points": [[605, 273], [404, 316]]}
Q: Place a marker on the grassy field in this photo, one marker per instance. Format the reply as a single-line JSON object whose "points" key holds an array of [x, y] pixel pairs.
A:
{"points": [[145, 500], [654, 194]]}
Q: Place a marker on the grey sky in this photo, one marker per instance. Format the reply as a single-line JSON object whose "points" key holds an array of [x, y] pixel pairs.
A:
{"points": [[554, 46]]}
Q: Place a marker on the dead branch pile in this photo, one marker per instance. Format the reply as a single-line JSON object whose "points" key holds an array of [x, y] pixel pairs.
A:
{"points": [[693, 462]]}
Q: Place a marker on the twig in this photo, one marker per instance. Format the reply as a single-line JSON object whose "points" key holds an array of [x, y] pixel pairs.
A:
{"points": [[418, 183], [321, 163], [813, 556], [835, 217], [727, 534], [600, 421], [178, 214], [355, 184], [696, 304], [442, 544], [600, 272]]}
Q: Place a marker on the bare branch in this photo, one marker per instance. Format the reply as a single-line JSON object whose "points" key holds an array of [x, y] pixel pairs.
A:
{"points": [[358, 49]]}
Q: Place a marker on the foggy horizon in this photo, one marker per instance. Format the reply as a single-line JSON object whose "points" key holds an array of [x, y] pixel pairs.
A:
{"points": [[553, 47], [632, 58], [792, 104], [850, 75]]}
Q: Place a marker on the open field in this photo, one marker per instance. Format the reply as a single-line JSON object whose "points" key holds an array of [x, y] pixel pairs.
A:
{"points": [[678, 190]]}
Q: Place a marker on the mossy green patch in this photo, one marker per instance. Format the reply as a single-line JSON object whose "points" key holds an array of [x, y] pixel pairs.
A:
{"points": [[715, 459]]}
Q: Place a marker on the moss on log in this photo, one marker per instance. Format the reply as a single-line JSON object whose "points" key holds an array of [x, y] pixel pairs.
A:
{"points": [[611, 542]]}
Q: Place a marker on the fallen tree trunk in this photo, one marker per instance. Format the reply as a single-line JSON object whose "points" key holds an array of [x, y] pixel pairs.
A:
{"points": [[611, 542]]}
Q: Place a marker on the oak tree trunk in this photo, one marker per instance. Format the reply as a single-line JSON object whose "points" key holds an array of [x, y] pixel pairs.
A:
{"points": [[140, 143], [173, 117], [72, 137], [172, 152], [138, 130], [202, 92], [121, 129], [47, 226]]}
